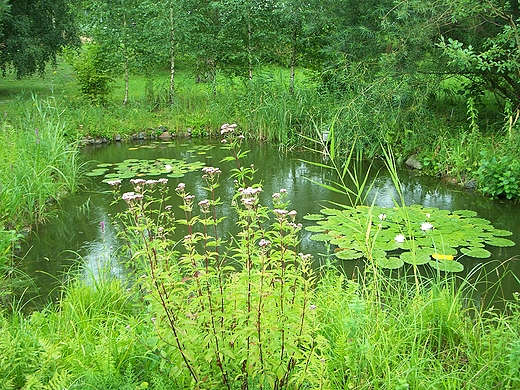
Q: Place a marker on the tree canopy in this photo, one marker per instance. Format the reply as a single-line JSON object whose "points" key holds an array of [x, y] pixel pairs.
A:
{"points": [[33, 32]]}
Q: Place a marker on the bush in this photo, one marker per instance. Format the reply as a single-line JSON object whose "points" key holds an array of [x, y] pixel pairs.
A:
{"points": [[499, 177], [93, 73]]}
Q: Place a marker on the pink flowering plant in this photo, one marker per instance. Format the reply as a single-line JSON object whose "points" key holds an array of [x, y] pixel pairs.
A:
{"points": [[229, 312]]}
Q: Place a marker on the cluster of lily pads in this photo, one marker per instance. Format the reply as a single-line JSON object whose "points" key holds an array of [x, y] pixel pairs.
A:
{"points": [[413, 234], [133, 167]]}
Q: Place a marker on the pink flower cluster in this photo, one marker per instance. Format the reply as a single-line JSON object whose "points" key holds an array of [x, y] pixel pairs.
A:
{"points": [[249, 196]]}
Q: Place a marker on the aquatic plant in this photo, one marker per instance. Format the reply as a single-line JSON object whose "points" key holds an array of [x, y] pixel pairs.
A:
{"points": [[415, 235], [133, 167]]}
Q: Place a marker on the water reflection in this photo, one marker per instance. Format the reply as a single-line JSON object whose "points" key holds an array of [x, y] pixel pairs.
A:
{"points": [[82, 231]]}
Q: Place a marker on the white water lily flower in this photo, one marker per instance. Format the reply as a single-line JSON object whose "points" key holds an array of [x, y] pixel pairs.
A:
{"points": [[426, 226], [399, 238]]}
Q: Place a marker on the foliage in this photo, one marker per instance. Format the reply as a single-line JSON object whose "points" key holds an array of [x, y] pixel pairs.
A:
{"points": [[395, 337], [37, 164], [493, 63], [249, 311], [93, 72], [499, 176], [88, 339], [415, 235], [227, 311], [33, 32], [138, 167]]}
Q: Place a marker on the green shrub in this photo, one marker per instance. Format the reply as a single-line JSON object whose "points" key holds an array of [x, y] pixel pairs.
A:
{"points": [[499, 176], [229, 312], [94, 73]]}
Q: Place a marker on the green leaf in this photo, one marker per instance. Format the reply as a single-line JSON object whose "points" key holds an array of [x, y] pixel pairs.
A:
{"points": [[390, 262], [420, 256], [348, 254], [313, 217], [447, 265], [500, 241], [479, 253]]}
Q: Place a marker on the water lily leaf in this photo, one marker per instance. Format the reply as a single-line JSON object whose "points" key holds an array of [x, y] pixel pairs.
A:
{"points": [[388, 246], [447, 265], [390, 262], [501, 232], [500, 241], [348, 254], [329, 211], [479, 253], [445, 251], [316, 229], [478, 221], [96, 172], [133, 148], [419, 257], [465, 213], [445, 233], [104, 165]]}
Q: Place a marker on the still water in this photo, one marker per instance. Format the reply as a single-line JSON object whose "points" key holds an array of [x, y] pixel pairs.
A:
{"points": [[79, 235]]}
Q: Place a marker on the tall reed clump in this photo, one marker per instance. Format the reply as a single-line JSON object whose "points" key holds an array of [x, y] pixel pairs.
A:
{"points": [[434, 338], [38, 164], [229, 312]]}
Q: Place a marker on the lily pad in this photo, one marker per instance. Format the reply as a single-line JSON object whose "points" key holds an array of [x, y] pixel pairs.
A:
{"points": [[410, 233], [479, 253], [500, 241], [447, 265], [390, 262], [348, 254], [313, 217], [133, 167], [417, 257], [96, 172]]}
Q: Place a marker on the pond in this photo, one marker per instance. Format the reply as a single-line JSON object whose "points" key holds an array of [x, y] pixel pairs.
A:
{"points": [[80, 235]]}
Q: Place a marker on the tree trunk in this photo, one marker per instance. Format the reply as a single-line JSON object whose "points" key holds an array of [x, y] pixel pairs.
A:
{"points": [[293, 64], [172, 57], [125, 64]]}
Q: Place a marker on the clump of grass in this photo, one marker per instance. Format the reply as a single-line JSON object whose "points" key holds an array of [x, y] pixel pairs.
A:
{"points": [[38, 165], [399, 337]]}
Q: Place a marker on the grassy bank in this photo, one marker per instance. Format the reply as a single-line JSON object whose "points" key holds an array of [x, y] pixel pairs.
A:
{"points": [[102, 337], [38, 166]]}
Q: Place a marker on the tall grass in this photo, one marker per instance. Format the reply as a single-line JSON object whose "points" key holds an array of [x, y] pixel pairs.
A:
{"points": [[38, 164], [408, 339], [91, 339]]}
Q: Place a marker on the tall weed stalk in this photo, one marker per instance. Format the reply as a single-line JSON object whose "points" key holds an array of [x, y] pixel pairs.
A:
{"points": [[230, 312]]}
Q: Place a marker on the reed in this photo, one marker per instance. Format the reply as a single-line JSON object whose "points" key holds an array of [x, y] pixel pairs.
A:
{"points": [[38, 164]]}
